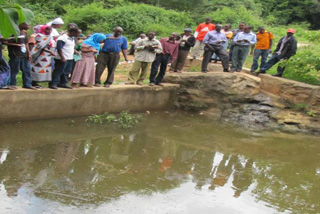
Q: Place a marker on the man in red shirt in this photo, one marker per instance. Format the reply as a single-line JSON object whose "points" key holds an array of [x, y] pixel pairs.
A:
{"points": [[200, 33], [170, 48]]}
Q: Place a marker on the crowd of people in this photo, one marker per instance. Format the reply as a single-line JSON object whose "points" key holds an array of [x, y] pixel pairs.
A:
{"points": [[69, 56]]}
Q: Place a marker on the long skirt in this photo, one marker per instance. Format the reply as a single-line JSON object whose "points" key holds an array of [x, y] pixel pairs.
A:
{"points": [[4, 73], [41, 68], [84, 70]]}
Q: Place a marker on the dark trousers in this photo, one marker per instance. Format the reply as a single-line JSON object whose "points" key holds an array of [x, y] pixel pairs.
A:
{"points": [[271, 62], [16, 64], [230, 52], [220, 52], [264, 56], [181, 60], [109, 60], [161, 60], [132, 50], [61, 72]]}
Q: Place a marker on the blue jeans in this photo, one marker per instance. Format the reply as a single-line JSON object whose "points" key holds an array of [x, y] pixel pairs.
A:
{"points": [[274, 60], [16, 64], [264, 56], [161, 61], [61, 72]]}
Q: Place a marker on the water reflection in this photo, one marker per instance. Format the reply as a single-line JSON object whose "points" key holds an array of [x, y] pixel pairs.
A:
{"points": [[95, 171]]}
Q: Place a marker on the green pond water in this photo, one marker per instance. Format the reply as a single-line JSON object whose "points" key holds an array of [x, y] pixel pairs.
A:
{"points": [[172, 162]]}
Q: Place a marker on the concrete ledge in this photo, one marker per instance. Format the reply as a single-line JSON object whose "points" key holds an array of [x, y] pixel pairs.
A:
{"points": [[25, 104]]}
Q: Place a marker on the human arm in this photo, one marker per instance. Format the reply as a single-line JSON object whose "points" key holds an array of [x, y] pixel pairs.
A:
{"points": [[158, 49], [124, 49], [293, 49], [191, 41], [174, 55], [196, 33], [252, 49], [60, 45]]}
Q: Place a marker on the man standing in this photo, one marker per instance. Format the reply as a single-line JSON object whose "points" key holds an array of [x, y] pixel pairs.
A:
{"points": [[185, 43], [133, 44], [64, 59], [263, 48], [199, 34], [20, 58], [242, 43], [214, 41], [286, 48], [56, 24], [170, 49], [145, 55], [235, 32], [109, 56]]}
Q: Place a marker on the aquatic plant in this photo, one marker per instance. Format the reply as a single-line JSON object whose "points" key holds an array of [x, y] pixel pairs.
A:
{"points": [[125, 120]]}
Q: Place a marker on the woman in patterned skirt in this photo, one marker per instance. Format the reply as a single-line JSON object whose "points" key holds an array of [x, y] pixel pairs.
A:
{"points": [[84, 70], [41, 68]]}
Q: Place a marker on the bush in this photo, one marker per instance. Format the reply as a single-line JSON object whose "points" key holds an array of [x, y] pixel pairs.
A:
{"points": [[234, 16], [133, 18]]}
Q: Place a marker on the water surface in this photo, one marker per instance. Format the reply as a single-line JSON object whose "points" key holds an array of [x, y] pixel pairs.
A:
{"points": [[170, 163]]}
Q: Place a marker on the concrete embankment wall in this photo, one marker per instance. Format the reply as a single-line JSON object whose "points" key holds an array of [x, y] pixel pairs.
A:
{"points": [[26, 104]]}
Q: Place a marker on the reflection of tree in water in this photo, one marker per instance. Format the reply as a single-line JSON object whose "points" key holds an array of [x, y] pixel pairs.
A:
{"points": [[103, 169]]}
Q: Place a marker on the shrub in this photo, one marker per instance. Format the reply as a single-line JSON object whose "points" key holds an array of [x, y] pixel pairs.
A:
{"points": [[133, 18]]}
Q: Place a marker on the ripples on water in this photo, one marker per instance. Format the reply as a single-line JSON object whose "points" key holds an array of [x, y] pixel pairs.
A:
{"points": [[171, 163]]}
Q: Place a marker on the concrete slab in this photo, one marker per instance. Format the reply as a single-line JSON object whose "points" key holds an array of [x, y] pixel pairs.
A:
{"points": [[24, 104]]}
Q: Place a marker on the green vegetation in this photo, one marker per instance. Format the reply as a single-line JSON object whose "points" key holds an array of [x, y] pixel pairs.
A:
{"points": [[306, 109], [125, 120], [164, 17]]}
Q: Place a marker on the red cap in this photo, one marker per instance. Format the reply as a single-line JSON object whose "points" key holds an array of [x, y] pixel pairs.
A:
{"points": [[291, 30]]}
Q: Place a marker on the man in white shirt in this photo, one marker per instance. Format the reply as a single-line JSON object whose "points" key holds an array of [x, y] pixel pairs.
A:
{"points": [[56, 24], [135, 42], [64, 59], [242, 42]]}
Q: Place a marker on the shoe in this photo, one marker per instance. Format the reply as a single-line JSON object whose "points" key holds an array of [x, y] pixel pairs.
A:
{"points": [[204, 71], [226, 70], [65, 86], [151, 84], [261, 72], [75, 85], [252, 71], [107, 86], [53, 87], [277, 75], [31, 87], [215, 61], [97, 85]]}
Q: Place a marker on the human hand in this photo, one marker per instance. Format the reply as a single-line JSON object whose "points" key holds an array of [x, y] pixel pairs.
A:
{"points": [[63, 60], [76, 52]]}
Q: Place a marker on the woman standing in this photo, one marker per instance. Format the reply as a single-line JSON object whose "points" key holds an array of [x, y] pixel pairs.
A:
{"points": [[41, 69], [84, 71]]}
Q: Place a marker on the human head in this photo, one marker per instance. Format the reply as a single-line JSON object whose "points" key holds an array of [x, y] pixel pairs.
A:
{"points": [[95, 40], [45, 30], [247, 29], [57, 23], [173, 36], [187, 31], [218, 27], [261, 29], [242, 25], [208, 20], [290, 32], [73, 32], [72, 25], [151, 35], [24, 26], [80, 31], [227, 27], [142, 35], [117, 31]]}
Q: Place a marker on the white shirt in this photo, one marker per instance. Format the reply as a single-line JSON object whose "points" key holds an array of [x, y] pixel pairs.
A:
{"points": [[54, 33], [68, 48]]}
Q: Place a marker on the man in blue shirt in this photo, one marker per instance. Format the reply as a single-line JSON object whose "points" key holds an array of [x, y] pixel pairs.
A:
{"points": [[213, 44], [109, 56], [242, 43]]}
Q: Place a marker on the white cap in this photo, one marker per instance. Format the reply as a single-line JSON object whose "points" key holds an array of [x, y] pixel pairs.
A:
{"points": [[57, 21]]}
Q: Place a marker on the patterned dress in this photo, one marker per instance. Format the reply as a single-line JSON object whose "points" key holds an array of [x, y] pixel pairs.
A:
{"points": [[4, 71], [41, 68], [84, 70]]}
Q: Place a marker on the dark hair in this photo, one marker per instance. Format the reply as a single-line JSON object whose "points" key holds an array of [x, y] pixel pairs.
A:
{"points": [[72, 25], [152, 32], [243, 23], [73, 30], [23, 26]]}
